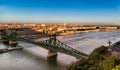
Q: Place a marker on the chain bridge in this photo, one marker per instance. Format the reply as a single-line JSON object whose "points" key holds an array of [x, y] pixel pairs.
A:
{"points": [[52, 44]]}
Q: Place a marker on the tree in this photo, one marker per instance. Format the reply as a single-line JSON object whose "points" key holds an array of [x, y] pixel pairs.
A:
{"points": [[99, 59]]}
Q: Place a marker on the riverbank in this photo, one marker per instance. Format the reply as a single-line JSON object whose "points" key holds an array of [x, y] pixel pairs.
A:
{"points": [[10, 49], [1, 40], [83, 31], [100, 59], [33, 57]]}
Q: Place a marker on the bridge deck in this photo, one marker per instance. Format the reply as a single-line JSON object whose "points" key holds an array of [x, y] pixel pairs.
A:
{"points": [[50, 44]]}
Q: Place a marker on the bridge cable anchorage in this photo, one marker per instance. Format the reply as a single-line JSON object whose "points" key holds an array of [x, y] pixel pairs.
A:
{"points": [[52, 44]]}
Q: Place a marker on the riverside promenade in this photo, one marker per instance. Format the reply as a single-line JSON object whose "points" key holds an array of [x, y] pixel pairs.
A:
{"points": [[1, 40], [10, 49]]}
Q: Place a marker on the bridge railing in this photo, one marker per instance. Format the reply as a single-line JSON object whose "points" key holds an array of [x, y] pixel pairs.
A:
{"points": [[52, 44]]}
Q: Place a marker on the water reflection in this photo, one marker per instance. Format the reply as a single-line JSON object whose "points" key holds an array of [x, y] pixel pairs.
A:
{"points": [[25, 60], [33, 57], [52, 60]]}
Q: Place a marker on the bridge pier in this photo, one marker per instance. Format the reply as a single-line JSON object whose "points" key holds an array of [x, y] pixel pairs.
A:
{"points": [[51, 54], [13, 43], [52, 43]]}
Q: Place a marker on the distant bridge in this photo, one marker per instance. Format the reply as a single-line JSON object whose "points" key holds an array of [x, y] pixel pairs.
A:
{"points": [[52, 44]]}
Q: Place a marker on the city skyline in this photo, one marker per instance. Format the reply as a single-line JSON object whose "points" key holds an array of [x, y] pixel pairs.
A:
{"points": [[62, 11]]}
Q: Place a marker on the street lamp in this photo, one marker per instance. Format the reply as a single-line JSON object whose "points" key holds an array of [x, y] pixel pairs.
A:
{"points": [[109, 42]]}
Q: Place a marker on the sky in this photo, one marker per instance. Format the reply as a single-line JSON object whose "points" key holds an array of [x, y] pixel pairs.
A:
{"points": [[62, 11]]}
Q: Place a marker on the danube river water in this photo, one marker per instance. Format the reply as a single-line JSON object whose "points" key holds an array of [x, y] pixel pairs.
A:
{"points": [[33, 57]]}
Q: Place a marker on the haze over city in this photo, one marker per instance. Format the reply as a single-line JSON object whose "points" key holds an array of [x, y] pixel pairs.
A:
{"points": [[60, 11]]}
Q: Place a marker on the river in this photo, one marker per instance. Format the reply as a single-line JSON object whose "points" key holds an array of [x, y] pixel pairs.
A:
{"points": [[33, 57]]}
